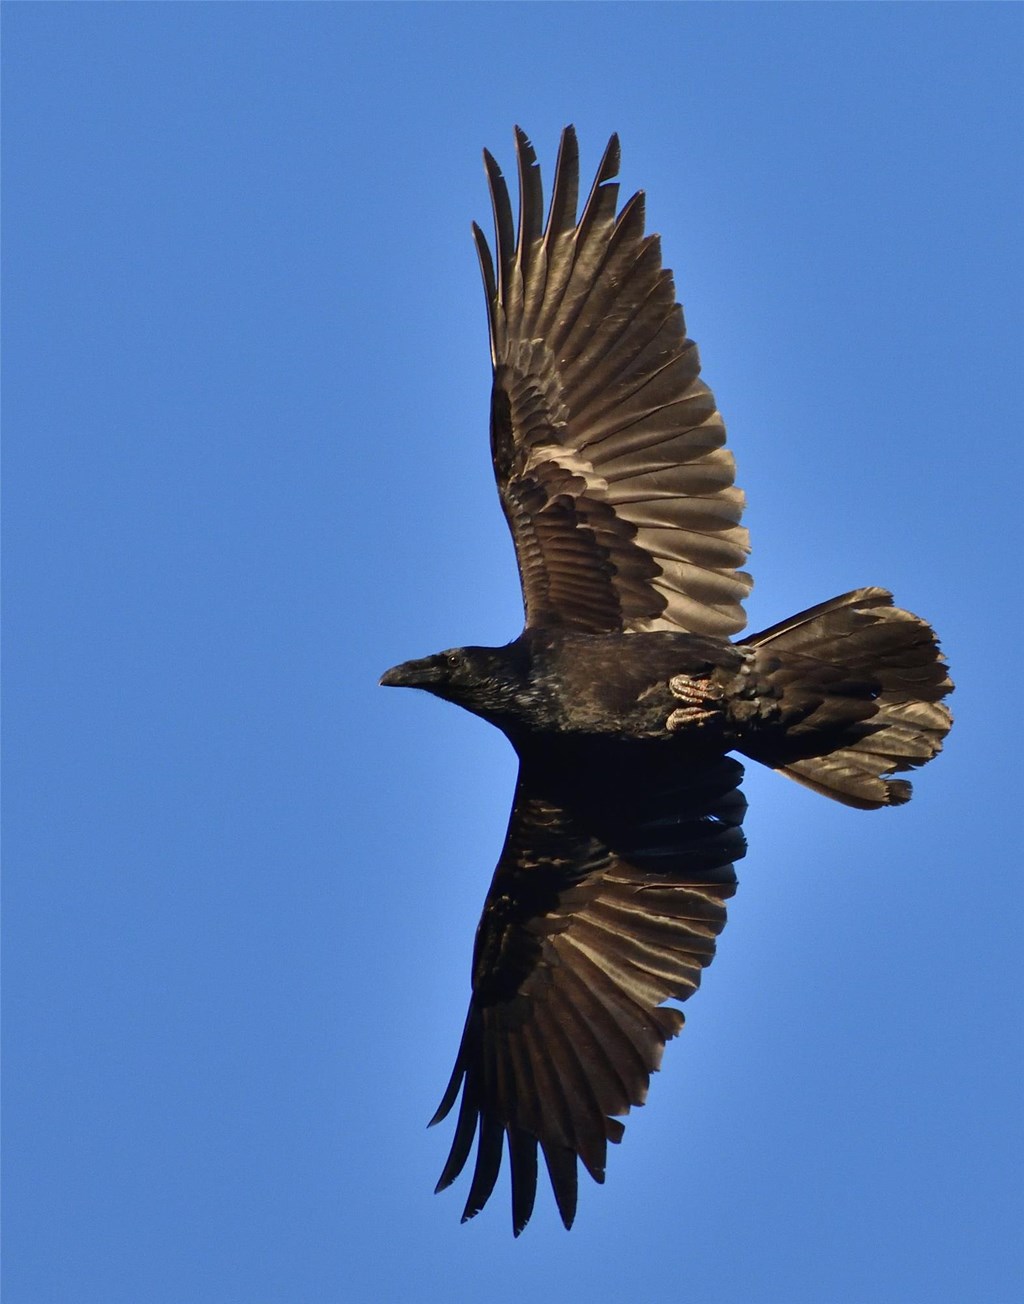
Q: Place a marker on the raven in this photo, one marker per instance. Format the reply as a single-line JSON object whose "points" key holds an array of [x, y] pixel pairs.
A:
{"points": [[624, 695]]}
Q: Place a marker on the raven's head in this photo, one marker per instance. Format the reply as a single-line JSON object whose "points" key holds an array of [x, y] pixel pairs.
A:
{"points": [[490, 681]]}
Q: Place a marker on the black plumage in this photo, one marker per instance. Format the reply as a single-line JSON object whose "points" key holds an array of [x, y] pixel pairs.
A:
{"points": [[624, 695]]}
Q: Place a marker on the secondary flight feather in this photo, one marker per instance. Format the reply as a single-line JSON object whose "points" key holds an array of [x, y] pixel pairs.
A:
{"points": [[624, 694]]}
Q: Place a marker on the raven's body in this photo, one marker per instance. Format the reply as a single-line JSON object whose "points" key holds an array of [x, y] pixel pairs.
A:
{"points": [[558, 683], [696, 693], [624, 694]]}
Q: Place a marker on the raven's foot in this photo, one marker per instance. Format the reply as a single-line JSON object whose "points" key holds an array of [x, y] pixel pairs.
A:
{"points": [[702, 700]]}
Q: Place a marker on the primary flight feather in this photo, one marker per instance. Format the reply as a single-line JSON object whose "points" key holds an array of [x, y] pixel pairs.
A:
{"points": [[624, 695]]}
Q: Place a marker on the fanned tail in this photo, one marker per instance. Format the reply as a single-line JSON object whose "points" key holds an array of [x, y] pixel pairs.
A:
{"points": [[855, 687]]}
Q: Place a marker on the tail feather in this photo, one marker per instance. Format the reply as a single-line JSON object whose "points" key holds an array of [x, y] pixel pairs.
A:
{"points": [[855, 687]]}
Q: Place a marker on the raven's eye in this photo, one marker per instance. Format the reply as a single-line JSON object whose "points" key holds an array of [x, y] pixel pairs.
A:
{"points": [[451, 660]]}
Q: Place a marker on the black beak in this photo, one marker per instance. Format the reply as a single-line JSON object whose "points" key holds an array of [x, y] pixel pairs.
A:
{"points": [[412, 674]]}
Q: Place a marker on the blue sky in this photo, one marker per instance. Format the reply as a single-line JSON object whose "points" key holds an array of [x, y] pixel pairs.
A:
{"points": [[246, 390]]}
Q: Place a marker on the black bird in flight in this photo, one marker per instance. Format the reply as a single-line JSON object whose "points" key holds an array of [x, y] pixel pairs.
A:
{"points": [[624, 694]]}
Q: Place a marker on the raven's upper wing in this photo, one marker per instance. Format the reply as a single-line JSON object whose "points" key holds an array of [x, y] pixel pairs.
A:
{"points": [[606, 901], [607, 446]]}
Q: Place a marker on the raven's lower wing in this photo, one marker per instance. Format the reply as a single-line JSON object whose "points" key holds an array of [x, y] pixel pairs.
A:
{"points": [[606, 901]]}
